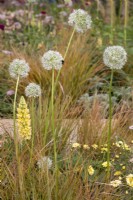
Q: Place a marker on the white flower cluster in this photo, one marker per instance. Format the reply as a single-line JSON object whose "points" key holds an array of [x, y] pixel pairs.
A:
{"points": [[80, 20], [19, 68], [44, 162], [52, 60], [115, 57], [33, 90]]}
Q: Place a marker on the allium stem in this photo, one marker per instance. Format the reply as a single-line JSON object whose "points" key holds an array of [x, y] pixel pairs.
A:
{"points": [[68, 46], [54, 135], [125, 21], [16, 138], [112, 20], [33, 129], [110, 125], [69, 43]]}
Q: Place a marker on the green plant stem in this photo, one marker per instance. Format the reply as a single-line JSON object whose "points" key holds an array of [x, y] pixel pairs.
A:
{"points": [[110, 125], [16, 138], [125, 22], [112, 20], [54, 136], [33, 129], [66, 52]]}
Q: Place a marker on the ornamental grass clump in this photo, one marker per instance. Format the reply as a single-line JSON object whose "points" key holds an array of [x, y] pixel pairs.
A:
{"points": [[114, 57], [23, 120]]}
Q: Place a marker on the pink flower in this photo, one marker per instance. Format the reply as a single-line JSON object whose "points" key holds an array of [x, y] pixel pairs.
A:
{"points": [[10, 92], [131, 127]]}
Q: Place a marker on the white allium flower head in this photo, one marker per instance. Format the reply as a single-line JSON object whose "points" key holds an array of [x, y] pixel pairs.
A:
{"points": [[33, 90], [115, 57], [44, 162], [80, 20], [52, 60], [19, 68]]}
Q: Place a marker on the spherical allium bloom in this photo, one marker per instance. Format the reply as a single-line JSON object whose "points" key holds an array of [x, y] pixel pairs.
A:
{"points": [[115, 57], [80, 20], [52, 60], [44, 162], [19, 68], [33, 90]]}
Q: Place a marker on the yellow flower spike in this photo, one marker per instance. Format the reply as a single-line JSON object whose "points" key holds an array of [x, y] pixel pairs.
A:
{"points": [[23, 119]]}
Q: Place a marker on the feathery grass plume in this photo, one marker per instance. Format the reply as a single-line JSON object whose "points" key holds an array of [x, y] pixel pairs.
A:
{"points": [[115, 57], [52, 60], [80, 20], [33, 90], [19, 68], [24, 121]]}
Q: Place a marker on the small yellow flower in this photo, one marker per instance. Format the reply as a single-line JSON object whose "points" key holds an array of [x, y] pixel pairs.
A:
{"points": [[123, 167], [90, 170], [105, 164], [95, 146], [117, 173], [76, 145], [132, 141], [23, 120], [115, 183], [120, 178], [129, 180], [117, 156], [85, 146], [104, 149], [126, 192]]}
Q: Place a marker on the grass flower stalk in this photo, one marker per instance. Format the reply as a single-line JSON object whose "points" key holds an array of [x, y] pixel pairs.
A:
{"points": [[110, 124], [112, 20]]}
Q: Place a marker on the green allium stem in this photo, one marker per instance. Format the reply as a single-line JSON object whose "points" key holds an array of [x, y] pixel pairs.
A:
{"points": [[54, 136], [125, 21], [110, 125], [112, 20], [66, 52], [16, 139], [33, 129]]}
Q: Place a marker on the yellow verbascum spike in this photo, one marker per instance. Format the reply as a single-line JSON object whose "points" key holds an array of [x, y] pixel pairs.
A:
{"points": [[23, 120]]}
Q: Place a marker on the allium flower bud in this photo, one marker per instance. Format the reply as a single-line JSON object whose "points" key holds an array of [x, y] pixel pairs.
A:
{"points": [[115, 57], [19, 68], [80, 20], [52, 60], [33, 90]]}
